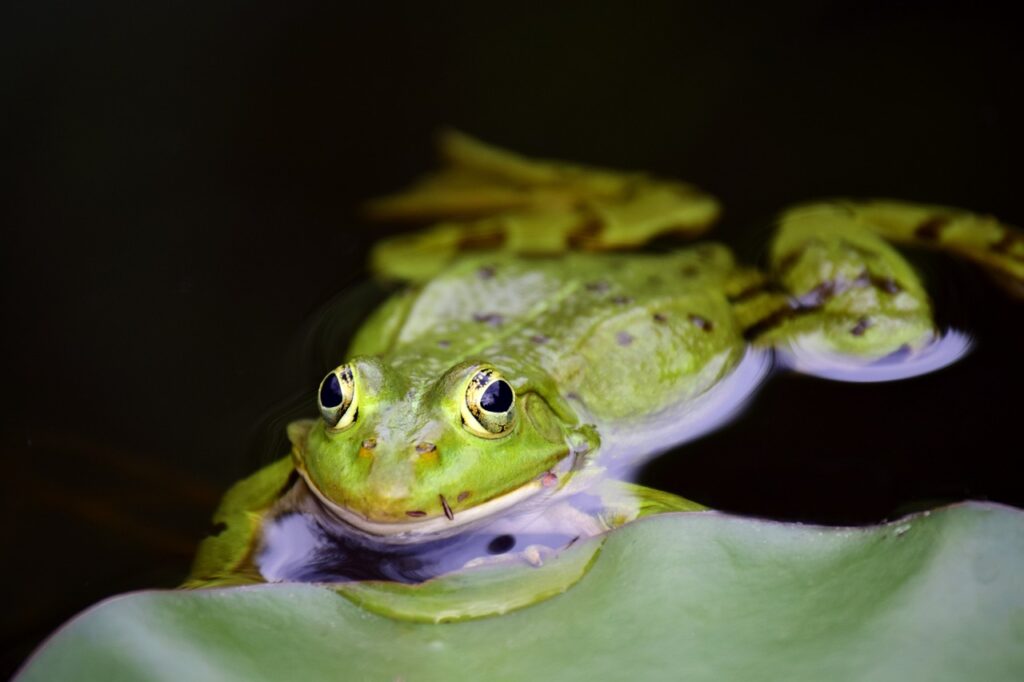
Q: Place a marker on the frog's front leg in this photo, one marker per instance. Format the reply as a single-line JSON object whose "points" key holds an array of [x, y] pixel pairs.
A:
{"points": [[226, 556], [850, 306]]}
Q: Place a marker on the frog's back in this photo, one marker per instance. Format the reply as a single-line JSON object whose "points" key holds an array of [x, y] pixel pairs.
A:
{"points": [[620, 334]]}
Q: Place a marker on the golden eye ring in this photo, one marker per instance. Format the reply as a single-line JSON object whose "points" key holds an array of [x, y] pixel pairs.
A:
{"points": [[489, 410], [336, 398]]}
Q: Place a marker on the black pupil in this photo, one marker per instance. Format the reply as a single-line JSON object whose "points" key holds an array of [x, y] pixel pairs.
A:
{"points": [[497, 397], [330, 391]]}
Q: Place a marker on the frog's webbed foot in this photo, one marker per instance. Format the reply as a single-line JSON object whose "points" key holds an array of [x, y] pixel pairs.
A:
{"points": [[491, 199], [845, 304]]}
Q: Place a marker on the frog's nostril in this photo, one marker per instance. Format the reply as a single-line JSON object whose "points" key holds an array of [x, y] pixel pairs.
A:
{"points": [[426, 452], [367, 446]]}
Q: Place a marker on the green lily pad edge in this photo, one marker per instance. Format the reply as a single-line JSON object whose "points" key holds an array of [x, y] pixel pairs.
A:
{"points": [[692, 596]]}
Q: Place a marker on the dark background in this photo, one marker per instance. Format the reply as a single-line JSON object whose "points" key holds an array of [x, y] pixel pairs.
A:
{"points": [[181, 191]]}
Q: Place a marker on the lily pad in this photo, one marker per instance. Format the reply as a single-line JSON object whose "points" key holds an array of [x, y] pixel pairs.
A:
{"points": [[937, 596]]}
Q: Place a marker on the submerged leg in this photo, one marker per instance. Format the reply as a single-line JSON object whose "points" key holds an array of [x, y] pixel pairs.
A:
{"points": [[850, 307]]}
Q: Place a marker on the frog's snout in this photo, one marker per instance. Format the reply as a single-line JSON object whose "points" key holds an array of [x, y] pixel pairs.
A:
{"points": [[387, 490], [388, 495]]}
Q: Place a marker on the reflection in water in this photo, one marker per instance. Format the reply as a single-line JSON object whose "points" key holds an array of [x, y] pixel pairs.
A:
{"points": [[809, 355], [625, 448]]}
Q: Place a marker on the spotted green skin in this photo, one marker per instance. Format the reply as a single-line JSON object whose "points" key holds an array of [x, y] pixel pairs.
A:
{"points": [[585, 340]]}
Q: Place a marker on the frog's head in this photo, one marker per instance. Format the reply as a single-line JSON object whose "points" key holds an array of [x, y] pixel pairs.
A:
{"points": [[394, 454]]}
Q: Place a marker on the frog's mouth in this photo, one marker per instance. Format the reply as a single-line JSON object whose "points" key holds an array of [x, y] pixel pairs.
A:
{"points": [[537, 491]]}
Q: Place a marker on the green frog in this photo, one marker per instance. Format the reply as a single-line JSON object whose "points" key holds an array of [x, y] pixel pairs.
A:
{"points": [[534, 355]]}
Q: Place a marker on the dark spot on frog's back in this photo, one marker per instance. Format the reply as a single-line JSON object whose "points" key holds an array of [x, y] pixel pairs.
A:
{"points": [[624, 338], [477, 241], [485, 272], [863, 324], [463, 496], [931, 228], [817, 296], [585, 233], [539, 339], [660, 318], [701, 323], [444, 343], [597, 286], [887, 284], [493, 319], [621, 300]]}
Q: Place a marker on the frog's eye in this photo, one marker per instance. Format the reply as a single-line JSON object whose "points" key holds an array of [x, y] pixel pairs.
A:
{"points": [[337, 398], [490, 407]]}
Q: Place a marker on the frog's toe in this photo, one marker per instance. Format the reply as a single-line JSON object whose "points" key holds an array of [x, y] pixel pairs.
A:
{"points": [[811, 354]]}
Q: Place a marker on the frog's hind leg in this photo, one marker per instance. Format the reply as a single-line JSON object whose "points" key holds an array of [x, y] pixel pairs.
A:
{"points": [[490, 199], [846, 304], [981, 239]]}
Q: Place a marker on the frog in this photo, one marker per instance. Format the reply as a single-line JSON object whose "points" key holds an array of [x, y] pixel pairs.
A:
{"points": [[550, 334]]}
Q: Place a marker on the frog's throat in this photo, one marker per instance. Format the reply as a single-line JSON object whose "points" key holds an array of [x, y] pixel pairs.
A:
{"points": [[407, 532]]}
